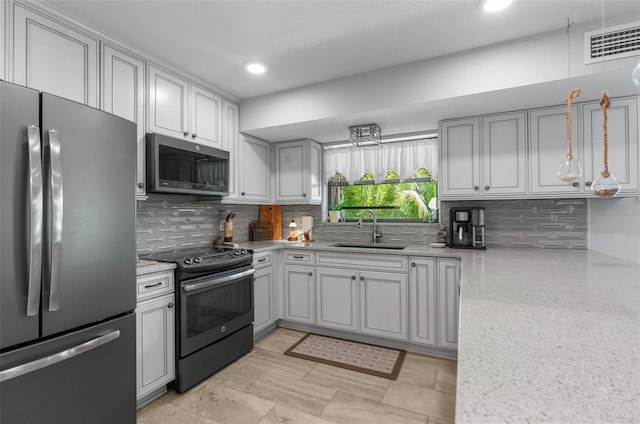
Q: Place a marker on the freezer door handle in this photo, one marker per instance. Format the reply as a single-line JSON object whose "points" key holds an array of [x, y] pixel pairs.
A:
{"points": [[56, 219], [35, 218], [57, 357]]}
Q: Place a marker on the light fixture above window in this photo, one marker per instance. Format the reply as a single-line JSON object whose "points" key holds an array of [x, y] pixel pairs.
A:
{"points": [[255, 68], [365, 134], [491, 6]]}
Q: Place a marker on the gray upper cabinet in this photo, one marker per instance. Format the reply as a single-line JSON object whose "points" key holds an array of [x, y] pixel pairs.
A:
{"points": [[206, 117], [548, 138], [51, 56], [459, 158], [230, 143], [622, 130], [122, 92], [298, 172], [168, 103]]}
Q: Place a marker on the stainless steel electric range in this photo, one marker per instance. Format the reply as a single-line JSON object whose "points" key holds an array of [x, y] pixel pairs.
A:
{"points": [[214, 316]]}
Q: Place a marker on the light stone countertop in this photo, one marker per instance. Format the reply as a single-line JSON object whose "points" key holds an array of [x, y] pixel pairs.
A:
{"points": [[144, 267], [546, 335]]}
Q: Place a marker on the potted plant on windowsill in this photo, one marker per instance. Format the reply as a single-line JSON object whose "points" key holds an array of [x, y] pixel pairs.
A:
{"points": [[334, 213]]}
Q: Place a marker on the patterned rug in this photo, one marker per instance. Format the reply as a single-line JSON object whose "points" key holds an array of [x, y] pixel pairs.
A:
{"points": [[369, 359]]}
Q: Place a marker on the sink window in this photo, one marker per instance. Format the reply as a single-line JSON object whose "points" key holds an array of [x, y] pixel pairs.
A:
{"points": [[411, 199]]}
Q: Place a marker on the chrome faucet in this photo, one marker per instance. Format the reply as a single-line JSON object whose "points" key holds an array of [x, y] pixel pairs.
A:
{"points": [[376, 233]]}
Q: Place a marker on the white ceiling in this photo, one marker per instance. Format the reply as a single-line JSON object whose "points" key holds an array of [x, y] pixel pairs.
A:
{"points": [[308, 41]]}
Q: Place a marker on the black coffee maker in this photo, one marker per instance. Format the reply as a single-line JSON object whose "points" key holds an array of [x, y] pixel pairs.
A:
{"points": [[466, 228]]}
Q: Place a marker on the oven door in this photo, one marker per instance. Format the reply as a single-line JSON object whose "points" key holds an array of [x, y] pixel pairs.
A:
{"points": [[214, 306]]}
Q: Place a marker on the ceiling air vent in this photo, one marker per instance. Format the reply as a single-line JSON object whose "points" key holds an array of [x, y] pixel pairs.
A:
{"points": [[613, 43]]}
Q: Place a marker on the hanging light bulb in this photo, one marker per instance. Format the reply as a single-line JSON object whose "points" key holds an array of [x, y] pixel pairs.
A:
{"points": [[635, 75], [570, 169], [606, 184]]}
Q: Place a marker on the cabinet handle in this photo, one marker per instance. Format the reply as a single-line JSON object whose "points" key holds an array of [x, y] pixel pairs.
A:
{"points": [[262, 259], [486, 187], [148, 286], [476, 188], [310, 274], [298, 257], [575, 184], [413, 264], [194, 135], [588, 183], [353, 277], [361, 278], [186, 133], [170, 305], [304, 194], [140, 185], [242, 194]]}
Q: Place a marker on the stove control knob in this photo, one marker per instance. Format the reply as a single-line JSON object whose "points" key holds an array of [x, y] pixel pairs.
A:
{"points": [[187, 261], [236, 252], [243, 251], [197, 260]]}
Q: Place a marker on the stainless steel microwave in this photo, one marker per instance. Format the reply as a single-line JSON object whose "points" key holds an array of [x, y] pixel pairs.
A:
{"points": [[183, 167]]}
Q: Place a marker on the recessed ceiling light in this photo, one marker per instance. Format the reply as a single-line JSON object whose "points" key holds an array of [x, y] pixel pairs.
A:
{"points": [[255, 68], [494, 5]]}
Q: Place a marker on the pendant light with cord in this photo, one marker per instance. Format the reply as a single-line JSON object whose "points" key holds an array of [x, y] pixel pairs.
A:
{"points": [[570, 168], [606, 185]]}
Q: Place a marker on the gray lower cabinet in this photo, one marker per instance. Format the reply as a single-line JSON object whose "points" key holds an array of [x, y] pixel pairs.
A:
{"points": [[337, 298], [423, 300], [299, 294], [383, 304], [263, 292], [434, 301], [155, 334]]}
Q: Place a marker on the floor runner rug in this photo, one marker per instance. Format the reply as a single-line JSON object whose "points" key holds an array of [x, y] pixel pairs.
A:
{"points": [[375, 360]]}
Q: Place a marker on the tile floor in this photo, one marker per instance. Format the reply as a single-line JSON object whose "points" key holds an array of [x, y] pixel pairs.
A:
{"points": [[267, 387]]}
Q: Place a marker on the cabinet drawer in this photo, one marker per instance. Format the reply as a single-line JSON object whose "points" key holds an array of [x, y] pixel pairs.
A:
{"points": [[298, 257], [152, 285], [370, 262], [262, 260]]}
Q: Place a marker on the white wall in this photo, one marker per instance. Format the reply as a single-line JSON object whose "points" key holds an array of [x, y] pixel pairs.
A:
{"points": [[533, 60], [614, 227]]}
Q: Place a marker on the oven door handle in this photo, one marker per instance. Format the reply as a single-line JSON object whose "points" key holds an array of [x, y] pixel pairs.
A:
{"points": [[217, 281]]}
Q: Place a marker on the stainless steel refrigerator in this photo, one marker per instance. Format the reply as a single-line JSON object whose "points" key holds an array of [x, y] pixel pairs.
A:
{"points": [[67, 261]]}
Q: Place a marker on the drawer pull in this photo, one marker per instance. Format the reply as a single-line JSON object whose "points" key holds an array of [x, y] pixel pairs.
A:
{"points": [[148, 286], [262, 259], [298, 257]]}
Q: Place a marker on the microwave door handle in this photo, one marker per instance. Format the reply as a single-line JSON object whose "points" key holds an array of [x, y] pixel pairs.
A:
{"points": [[35, 219], [56, 219]]}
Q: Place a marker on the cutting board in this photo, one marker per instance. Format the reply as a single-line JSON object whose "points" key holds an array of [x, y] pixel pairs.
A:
{"points": [[271, 222]]}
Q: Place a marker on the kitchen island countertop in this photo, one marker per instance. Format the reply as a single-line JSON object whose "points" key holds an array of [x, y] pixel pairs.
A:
{"points": [[546, 335]]}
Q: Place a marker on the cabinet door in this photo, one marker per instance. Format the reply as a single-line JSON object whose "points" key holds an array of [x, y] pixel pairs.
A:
{"points": [[51, 56], [206, 117], [230, 142], [423, 300], [155, 344], [292, 174], [168, 103], [503, 154], [123, 95], [299, 299], [459, 158], [336, 298], [383, 304], [315, 174], [254, 170], [622, 138], [448, 302], [263, 299], [548, 148]]}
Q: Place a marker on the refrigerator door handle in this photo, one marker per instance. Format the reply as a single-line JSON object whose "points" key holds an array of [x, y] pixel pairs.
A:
{"points": [[35, 217], [56, 219], [57, 357]]}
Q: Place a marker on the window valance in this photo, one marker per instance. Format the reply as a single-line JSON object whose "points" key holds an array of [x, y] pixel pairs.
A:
{"points": [[404, 158]]}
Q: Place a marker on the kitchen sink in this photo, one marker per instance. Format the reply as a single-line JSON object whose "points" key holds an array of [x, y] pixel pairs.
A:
{"points": [[371, 245]]}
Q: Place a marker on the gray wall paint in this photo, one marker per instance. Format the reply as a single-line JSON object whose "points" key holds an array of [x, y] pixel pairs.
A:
{"points": [[170, 222]]}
